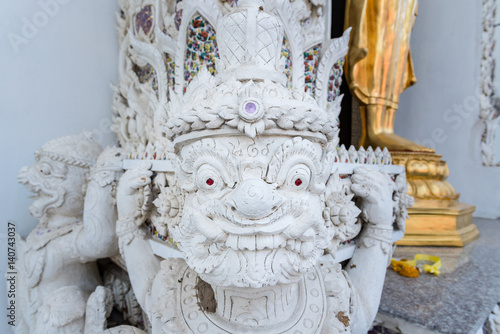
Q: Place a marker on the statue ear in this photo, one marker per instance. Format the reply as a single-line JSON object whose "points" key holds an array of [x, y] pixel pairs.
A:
{"points": [[169, 204], [84, 186], [184, 176], [330, 152], [341, 213]]}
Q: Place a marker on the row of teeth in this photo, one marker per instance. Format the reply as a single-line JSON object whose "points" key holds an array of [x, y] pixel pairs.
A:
{"points": [[32, 188], [261, 242], [255, 242]]}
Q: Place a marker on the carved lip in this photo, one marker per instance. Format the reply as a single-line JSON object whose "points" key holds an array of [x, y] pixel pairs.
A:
{"points": [[35, 189], [275, 226], [274, 223]]}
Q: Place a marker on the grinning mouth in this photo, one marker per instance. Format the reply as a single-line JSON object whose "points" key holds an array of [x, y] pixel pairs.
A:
{"points": [[31, 185], [220, 232], [235, 254], [45, 195]]}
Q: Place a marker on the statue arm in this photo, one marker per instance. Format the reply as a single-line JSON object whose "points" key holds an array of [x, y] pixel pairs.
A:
{"points": [[142, 264], [96, 238], [142, 267], [367, 267]]}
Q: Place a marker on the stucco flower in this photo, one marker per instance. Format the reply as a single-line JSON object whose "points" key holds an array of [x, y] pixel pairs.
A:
{"points": [[343, 213]]}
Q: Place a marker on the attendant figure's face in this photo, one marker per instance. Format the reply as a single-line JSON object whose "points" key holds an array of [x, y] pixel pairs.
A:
{"points": [[57, 187]]}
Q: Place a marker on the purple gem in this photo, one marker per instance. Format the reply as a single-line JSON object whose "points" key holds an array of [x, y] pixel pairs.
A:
{"points": [[250, 108]]}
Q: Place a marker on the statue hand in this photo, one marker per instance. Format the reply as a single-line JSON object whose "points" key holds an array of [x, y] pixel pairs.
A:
{"points": [[375, 191], [108, 167], [134, 193]]}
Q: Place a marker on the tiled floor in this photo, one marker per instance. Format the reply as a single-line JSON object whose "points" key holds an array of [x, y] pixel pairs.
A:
{"points": [[461, 298]]}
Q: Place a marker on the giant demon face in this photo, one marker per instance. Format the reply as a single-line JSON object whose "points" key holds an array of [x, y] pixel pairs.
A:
{"points": [[253, 211]]}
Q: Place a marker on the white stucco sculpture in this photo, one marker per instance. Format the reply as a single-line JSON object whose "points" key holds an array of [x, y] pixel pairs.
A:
{"points": [[74, 200], [239, 211], [253, 253], [244, 175]]}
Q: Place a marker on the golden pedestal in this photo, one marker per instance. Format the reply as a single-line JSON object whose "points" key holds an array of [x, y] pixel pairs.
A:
{"points": [[437, 218]]}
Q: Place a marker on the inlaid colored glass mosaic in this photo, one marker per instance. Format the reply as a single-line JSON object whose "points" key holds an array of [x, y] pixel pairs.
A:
{"points": [[285, 53], [311, 61], [145, 74], [347, 242], [144, 20], [305, 22], [335, 80], [178, 16], [201, 48], [170, 70], [152, 229]]}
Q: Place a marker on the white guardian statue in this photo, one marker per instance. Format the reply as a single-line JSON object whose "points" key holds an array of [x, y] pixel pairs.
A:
{"points": [[238, 211], [74, 200], [234, 107]]}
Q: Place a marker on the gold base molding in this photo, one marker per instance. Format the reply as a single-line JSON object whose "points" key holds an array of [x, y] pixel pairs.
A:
{"points": [[437, 218], [452, 226]]}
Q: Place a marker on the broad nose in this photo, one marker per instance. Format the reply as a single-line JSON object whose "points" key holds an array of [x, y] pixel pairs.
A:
{"points": [[24, 174], [254, 199]]}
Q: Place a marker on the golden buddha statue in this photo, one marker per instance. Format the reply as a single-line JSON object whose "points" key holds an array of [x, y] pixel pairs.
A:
{"points": [[379, 66]]}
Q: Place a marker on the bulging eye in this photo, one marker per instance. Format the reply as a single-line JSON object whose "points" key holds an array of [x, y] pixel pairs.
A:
{"points": [[45, 171], [208, 178], [298, 177]]}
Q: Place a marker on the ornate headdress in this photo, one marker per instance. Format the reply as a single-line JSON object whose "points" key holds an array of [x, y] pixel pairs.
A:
{"points": [[256, 70], [77, 150], [220, 68]]}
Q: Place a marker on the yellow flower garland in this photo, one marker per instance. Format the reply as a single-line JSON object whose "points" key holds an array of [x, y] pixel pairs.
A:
{"points": [[408, 267]]}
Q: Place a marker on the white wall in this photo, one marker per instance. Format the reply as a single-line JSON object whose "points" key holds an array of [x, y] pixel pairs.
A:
{"points": [[55, 83], [442, 109]]}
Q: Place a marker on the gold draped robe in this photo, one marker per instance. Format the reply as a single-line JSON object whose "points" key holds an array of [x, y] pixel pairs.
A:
{"points": [[379, 65]]}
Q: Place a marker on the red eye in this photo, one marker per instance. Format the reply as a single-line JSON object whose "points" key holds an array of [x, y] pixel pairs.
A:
{"points": [[210, 182], [298, 182]]}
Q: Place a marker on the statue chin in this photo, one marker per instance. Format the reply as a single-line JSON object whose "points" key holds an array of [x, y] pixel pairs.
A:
{"points": [[227, 253]]}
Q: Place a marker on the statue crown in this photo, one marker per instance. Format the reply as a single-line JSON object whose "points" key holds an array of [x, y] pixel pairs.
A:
{"points": [[78, 150], [250, 68], [250, 43]]}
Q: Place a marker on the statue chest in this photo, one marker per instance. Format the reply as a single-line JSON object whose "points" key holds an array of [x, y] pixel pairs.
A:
{"points": [[182, 303]]}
